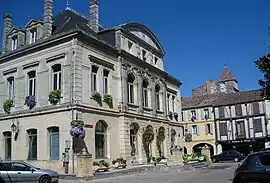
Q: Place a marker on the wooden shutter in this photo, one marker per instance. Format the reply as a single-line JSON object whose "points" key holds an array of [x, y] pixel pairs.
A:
{"points": [[202, 114], [256, 108], [206, 129], [257, 125], [238, 110], [221, 112], [211, 128], [198, 130], [189, 115], [210, 113]]}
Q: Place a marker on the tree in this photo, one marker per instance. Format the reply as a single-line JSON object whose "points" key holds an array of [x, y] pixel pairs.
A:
{"points": [[263, 64]]}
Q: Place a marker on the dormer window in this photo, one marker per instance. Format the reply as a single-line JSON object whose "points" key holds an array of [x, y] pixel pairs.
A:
{"points": [[156, 61], [144, 55], [33, 36], [14, 43], [129, 46]]}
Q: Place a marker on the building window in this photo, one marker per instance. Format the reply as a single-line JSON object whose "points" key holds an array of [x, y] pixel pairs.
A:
{"points": [[144, 55], [223, 129], [10, 82], [257, 125], [173, 98], [221, 112], [32, 144], [54, 142], [195, 130], [208, 129], [193, 115], [157, 91], [130, 44], [56, 81], [8, 144], [94, 78], [168, 102], [240, 129], [33, 36], [105, 81], [32, 83], [238, 110], [206, 114], [14, 43], [182, 115], [130, 88], [156, 61], [101, 139], [145, 93], [256, 108]]}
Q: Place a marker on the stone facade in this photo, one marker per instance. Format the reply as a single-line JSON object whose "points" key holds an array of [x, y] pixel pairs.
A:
{"points": [[81, 66]]}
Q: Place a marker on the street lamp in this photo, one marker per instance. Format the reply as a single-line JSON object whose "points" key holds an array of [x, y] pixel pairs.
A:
{"points": [[15, 128]]}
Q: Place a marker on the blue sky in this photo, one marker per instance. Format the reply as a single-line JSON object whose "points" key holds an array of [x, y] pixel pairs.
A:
{"points": [[199, 37]]}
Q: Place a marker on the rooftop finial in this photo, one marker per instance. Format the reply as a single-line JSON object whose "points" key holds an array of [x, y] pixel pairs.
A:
{"points": [[67, 8]]}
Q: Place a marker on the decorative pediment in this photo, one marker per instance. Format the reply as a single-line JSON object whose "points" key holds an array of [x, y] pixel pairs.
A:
{"points": [[16, 30], [33, 22], [145, 34]]}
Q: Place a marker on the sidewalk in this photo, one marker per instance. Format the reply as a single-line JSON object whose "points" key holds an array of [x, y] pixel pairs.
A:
{"points": [[138, 169]]}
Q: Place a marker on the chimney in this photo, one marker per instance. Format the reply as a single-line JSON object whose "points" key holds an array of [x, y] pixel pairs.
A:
{"points": [[94, 15], [7, 26], [47, 19]]}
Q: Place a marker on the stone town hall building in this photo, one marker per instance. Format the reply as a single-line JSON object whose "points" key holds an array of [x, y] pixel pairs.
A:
{"points": [[71, 55]]}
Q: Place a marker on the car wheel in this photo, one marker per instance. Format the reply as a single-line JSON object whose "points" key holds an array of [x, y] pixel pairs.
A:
{"points": [[215, 160], [235, 159], [45, 179]]}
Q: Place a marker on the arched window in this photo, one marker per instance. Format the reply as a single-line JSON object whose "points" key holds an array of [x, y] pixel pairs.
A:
{"points": [[54, 142], [32, 144], [101, 139], [145, 93], [8, 144], [32, 83], [134, 127], [130, 88], [157, 91], [10, 85], [56, 79]]}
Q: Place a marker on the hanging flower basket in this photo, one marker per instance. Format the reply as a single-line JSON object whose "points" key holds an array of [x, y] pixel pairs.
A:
{"points": [[97, 97], [54, 97], [30, 101], [188, 137], [108, 100], [7, 106], [77, 131]]}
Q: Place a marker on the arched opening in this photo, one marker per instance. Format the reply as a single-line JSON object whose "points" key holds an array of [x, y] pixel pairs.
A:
{"points": [[134, 128], [158, 97], [101, 139], [198, 147], [8, 144], [185, 150], [145, 92], [147, 139], [160, 141], [130, 88], [54, 144], [32, 144]]}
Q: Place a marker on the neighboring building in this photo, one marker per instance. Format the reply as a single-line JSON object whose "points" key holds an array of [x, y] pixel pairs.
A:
{"points": [[197, 115], [227, 83], [73, 56], [240, 120]]}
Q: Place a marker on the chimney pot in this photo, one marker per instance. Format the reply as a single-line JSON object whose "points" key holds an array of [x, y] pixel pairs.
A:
{"points": [[7, 27], [47, 19]]}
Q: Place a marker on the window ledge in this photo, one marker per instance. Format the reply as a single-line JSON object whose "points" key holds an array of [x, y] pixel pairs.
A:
{"points": [[147, 109], [160, 112], [132, 105]]}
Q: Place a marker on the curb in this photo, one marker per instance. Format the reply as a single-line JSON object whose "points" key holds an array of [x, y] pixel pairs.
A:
{"points": [[138, 170]]}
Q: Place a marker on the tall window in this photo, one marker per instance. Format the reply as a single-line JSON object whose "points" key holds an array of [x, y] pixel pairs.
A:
{"points": [[10, 82], [94, 78], [145, 93], [173, 98], [32, 83], [168, 102], [157, 90], [33, 36], [130, 88], [56, 82], [101, 139], [193, 114], [54, 142], [105, 81], [14, 43], [206, 114], [32, 144], [8, 144], [195, 130]]}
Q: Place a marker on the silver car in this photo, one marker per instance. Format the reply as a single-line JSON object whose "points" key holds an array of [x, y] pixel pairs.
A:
{"points": [[20, 171]]}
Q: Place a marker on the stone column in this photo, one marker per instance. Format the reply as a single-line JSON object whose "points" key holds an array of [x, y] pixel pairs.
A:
{"points": [[177, 156], [164, 97], [206, 151], [124, 87], [153, 98], [84, 165], [139, 91]]}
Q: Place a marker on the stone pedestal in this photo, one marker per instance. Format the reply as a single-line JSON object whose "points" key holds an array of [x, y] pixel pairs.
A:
{"points": [[84, 165], [177, 156], [206, 151]]}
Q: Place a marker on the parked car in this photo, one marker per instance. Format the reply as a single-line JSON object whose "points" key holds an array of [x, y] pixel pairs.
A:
{"points": [[20, 171], [255, 168], [266, 149], [228, 156]]}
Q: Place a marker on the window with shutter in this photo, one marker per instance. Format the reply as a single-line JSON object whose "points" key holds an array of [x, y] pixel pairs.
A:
{"points": [[238, 110], [221, 112], [223, 129], [256, 109], [257, 125], [240, 129]]}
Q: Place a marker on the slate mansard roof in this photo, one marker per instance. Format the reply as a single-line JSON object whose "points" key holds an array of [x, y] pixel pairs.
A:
{"points": [[222, 99]]}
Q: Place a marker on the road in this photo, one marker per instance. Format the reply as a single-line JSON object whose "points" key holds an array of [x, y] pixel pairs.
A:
{"points": [[220, 173]]}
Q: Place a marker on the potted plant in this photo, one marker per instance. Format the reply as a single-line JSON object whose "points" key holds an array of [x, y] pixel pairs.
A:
{"points": [[7, 106], [97, 97], [101, 166], [54, 97], [108, 100], [147, 138], [119, 163], [30, 101]]}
